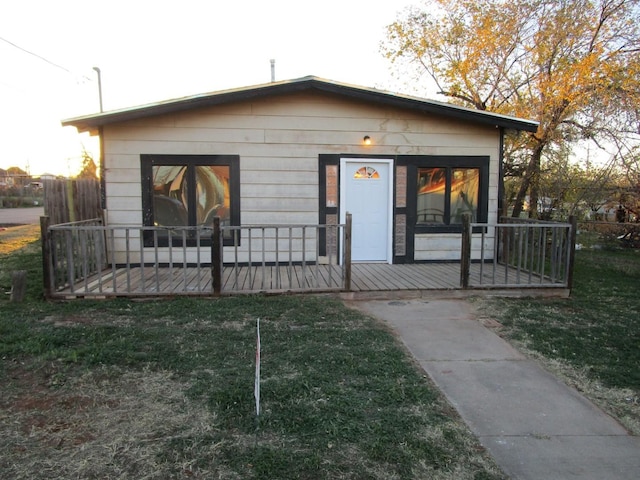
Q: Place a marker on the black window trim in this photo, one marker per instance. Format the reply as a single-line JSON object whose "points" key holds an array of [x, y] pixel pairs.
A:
{"points": [[148, 161], [413, 163]]}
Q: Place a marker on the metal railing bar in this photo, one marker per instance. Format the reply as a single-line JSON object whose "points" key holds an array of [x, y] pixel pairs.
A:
{"points": [[263, 259], [250, 260], [304, 256], [85, 258], [316, 274], [142, 272], [170, 244], [525, 254], [543, 257], [128, 255], [539, 247], [184, 260], [482, 239], [69, 262], [198, 262], [290, 270], [156, 266], [496, 252], [277, 230], [507, 256], [554, 255], [112, 241], [343, 270], [235, 255], [101, 263]]}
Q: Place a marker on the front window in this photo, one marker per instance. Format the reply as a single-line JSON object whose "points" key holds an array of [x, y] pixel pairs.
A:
{"points": [[445, 194], [190, 190], [172, 203], [464, 193]]}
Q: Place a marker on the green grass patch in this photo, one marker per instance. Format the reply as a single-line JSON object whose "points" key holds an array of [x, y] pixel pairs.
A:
{"points": [[592, 338], [164, 389]]}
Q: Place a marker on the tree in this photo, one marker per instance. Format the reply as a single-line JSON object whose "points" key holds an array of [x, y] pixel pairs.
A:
{"points": [[89, 168], [572, 65], [20, 177], [629, 187], [17, 171]]}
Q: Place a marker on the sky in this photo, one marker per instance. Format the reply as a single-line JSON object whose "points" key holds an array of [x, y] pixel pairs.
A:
{"points": [[148, 51]]}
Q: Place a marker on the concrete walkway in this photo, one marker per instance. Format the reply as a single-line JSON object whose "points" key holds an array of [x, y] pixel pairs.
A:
{"points": [[532, 424]]}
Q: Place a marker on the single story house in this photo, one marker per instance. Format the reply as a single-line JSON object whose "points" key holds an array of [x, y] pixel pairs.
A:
{"points": [[307, 151]]}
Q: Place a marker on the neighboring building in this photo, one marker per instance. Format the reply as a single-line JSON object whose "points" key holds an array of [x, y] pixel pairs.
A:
{"points": [[307, 151]]}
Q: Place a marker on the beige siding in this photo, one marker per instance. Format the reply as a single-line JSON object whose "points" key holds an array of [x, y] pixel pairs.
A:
{"points": [[448, 246], [278, 141]]}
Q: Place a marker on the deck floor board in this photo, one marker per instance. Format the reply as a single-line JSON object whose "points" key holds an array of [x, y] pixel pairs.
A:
{"points": [[377, 277]]}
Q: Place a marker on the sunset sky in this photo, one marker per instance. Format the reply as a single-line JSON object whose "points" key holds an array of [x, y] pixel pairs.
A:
{"points": [[150, 51]]}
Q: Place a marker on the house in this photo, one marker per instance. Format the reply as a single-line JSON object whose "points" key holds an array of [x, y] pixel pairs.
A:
{"points": [[307, 151]]}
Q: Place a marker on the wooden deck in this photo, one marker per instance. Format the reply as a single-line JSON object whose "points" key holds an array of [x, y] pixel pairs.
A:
{"points": [[366, 278]]}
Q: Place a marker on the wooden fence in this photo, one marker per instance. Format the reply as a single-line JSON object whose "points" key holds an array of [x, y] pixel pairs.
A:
{"points": [[68, 201]]}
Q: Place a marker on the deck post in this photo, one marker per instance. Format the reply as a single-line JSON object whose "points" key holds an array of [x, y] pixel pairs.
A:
{"points": [[45, 240], [572, 250], [465, 253], [347, 253], [216, 257]]}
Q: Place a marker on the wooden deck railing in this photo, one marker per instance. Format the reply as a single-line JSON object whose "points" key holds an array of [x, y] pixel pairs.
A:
{"points": [[91, 259], [522, 253]]}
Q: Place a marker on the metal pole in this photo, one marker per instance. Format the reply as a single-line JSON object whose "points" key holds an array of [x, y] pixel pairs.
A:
{"points": [[99, 87]]}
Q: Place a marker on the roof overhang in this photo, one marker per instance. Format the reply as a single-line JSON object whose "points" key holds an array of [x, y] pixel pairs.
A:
{"points": [[92, 123]]}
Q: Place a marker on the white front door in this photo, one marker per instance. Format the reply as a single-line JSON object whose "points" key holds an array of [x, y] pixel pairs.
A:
{"points": [[366, 187]]}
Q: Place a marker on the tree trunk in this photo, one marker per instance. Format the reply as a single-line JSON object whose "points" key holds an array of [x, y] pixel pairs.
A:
{"points": [[530, 183]]}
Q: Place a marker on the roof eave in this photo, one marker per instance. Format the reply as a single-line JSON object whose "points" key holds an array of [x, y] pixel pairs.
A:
{"points": [[92, 122]]}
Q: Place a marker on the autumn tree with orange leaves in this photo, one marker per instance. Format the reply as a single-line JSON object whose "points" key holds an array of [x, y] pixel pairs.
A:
{"points": [[571, 65]]}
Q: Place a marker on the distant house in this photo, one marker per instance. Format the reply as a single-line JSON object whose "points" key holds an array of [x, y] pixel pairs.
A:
{"points": [[307, 151]]}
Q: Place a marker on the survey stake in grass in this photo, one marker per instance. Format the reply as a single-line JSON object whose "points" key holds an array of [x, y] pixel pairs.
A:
{"points": [[256, 389]]}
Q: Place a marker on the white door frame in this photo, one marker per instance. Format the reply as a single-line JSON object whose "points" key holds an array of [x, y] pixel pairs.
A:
{"points": [[343, 198]]}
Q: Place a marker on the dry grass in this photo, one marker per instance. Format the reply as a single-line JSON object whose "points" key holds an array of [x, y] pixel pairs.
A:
{"points": [[103, 423], [15, 238]]}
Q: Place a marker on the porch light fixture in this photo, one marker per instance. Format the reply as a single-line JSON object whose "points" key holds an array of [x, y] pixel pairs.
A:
{"points": [[366, 140]]}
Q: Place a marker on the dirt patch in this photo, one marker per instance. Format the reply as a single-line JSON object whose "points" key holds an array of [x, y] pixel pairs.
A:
{"points": [[103, 424]]}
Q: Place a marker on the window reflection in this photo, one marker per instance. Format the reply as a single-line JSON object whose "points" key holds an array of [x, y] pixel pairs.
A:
{"points": [[446, 194], [366, 172], [464, 193], [431, 195], [172, 186]]}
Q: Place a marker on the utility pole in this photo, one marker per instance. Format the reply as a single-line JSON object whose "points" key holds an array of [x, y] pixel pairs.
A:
{"points": [[99, 87]]}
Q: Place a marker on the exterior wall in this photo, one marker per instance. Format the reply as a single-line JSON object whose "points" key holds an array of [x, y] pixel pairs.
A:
{"points": [[278, 141]]}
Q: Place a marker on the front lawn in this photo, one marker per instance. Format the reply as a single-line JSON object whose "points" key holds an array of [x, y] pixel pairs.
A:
{"points": [[165, 389]]}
